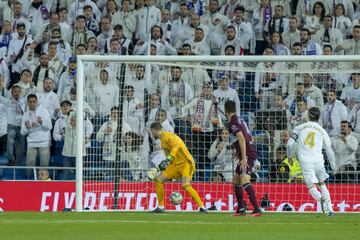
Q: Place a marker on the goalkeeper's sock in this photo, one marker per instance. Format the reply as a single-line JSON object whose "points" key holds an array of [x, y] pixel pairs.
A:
{"points": [[325, 193], [193, 193], [314, 192], [252, 196], [159, 186], [239, 193]]}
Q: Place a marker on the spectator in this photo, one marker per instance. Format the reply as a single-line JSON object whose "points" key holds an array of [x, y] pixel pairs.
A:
{"points": [[277, 44], [42, 71], [292, 35], [278, 22], [291, 100], [333, 113], [88, 110], [92, 46], [57, 66], [48, 99], [155, 108], [3, 129], [228, 8], [221, 155], [328, 35], [351, 93], [43, 175], [80, 34], [36, 126], [243, 28], [110, 9], [125, 18], [261, 17], [313, 22], [106, 95], [345, 147], [91, 23], [301, 115], [187, 31], [311, 91], [70, 150], [26, 84], [354, 117], [166, 25], [341, 22], [133, 110], [266, 81], [15, 108], [16, 51], [39, 13], [309, 46], [148, 17], [348, 6], [131, 157], [224, 93], [68, 79], [5, 38], [350, 46], [141, 83], [290, 170], [229, 39], [105, 34], [60, 126], [198, 44], [205, 119], [63, 49], [173, 7], [16, 16], [77, 9], [125, 45]]}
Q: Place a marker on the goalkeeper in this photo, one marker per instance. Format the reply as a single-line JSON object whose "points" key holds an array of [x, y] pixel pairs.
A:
{"points": [[178, 163]]}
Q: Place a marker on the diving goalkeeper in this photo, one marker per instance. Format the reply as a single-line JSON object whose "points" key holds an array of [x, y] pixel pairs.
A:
{"points": [[178, 163]]}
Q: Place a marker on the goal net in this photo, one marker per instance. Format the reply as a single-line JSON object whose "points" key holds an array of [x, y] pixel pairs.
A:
{"points": [[118, 97]]}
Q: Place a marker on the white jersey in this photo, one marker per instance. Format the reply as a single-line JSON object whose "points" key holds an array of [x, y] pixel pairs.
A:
{"points": [[311, 138]]}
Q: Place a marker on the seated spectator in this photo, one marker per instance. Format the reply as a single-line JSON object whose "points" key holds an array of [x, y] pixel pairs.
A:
{"points": [[333, 113], [69, 151], [92, 24], [328, 35], [36, 126], [198, 44], [345, 147], [291, 100], [221, 155], [43, 175], [80, 34]]}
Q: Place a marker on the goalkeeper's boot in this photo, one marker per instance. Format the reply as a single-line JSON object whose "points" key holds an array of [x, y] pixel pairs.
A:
{"points": [[158, 210], [324, 206], [240, 212], [256, 213], [203, 210]]}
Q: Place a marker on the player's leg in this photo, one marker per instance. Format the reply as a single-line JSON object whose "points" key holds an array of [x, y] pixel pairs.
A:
{"points": [[160, 191], [326, 198], [248, 187], [239, 193], [186, 172]]}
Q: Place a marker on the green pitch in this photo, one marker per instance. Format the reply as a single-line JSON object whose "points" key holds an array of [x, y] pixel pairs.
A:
{"points": [[173, 226]]}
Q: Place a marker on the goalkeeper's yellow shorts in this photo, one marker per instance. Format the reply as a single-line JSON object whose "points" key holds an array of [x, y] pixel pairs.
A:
{"points": [[185, 169]]}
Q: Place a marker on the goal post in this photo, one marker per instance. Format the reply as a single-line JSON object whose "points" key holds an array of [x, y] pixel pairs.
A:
{"points": [[99, 186]]}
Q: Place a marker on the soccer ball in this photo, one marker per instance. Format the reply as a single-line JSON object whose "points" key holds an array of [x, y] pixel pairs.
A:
{"points": [[176, 198]]}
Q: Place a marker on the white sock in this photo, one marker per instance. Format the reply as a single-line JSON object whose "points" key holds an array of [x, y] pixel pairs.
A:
{"points": [[315, 193], [325, 193], [161, 207]]}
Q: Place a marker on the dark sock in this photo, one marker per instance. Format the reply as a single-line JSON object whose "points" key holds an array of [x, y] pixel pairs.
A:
{"points": [[239, 193], [251, 193]]}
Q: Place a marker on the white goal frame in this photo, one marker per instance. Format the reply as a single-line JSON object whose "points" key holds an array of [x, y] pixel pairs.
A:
{"points": [[166, 59]]}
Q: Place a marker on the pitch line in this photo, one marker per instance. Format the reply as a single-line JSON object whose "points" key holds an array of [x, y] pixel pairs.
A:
{"points": [[44, 221]]}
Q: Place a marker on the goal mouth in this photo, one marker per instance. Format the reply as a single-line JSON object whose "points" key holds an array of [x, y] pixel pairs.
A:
{"points": [[187, 95]]}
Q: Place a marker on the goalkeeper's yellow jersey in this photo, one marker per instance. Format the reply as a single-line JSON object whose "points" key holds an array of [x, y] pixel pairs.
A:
{"points": [[172, 145]]}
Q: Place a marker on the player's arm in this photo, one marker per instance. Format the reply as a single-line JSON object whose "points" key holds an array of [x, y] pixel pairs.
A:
{"points": [[329, 152], [291, 142], [242, 142]]}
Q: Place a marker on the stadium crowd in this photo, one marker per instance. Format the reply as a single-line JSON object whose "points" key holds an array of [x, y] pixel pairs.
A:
{"points": [[41, 39]]}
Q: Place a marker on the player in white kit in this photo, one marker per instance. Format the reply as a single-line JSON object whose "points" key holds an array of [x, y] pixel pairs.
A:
{"points": [[311, 138]]}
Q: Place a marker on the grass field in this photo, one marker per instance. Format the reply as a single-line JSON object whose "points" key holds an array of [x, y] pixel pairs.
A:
{"points": [[172, 226]]}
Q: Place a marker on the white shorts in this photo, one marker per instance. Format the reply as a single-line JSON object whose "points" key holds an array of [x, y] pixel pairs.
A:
{"points": [[314, 173]]}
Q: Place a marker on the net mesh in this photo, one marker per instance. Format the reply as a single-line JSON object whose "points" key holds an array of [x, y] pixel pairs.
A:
{"points": [[121, 100]]}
